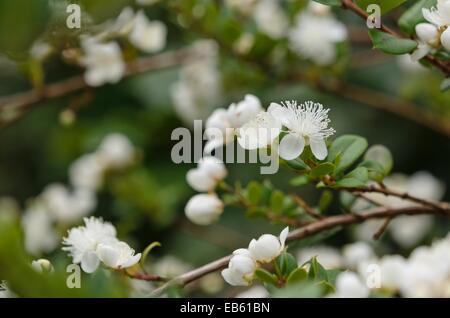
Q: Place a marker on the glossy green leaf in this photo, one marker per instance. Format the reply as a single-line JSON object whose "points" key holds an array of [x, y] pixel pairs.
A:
{"points": [[316, 271], [299, 180], [322, 170], [297, 164], [345, 150], [265, 276], [381, 155], [285, 264], [297, 275], [390, 44]]}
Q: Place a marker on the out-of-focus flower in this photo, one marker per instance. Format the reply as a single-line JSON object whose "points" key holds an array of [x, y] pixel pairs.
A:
{"points": [[205, 177], [357, 252], [117, 255], [42, 266], [240, 269], [103, 62], [169, 266], [116, 151], [40, 50], [307, 125], [270, 18], [223, 124], [82, 242], [211, 284], [87, 172], [328, 257], [349, 285], [254, 292], [244, 44], [267, 247], [204, 209], [37, 224], [148, 36], [315, 36], [391, 269]]}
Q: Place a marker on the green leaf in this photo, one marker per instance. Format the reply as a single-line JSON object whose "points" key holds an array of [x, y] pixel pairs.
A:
{"points": [[254, 192], [297, 164], [359, 173], [326, 287], [276, 201], [325, 200], [147, 251], [345, 150], [285, 264], [297, 275], [332, 275], [385, 5], [300, 180], [322, 170], [346, 199], [337, 3], [445, 85], [381, 155], [348, 183], [265, 276], [316, 271], [390, 44], [414, 16]]}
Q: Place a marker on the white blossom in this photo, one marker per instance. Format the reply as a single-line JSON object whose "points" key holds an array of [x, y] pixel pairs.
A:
{"points": [[439, 16], [205, 177], [149, 36], [307, 124], [103, 62], [328, 257], [267, 247], [428, 36], [259, 132], [37, 224], [116, 151], [391, 270], [223, 124], [356, 253], [315, 36], [87, 172], [349, 285], [42, 266], [270, 18], [240, 269], [117, 255], [82, 242], [204, 209]]}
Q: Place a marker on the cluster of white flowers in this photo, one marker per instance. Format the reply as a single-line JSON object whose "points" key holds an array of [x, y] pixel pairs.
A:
{"points": [[103, 60], [59, 204], [407, 231], [96, 242], [205, 208], [436, 32], [199, 85], [244, 262], [316, 34]]}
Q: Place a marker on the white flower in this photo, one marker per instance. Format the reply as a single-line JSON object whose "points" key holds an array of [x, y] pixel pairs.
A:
{"points": [[204, 209], [270, 18], [315, 37], [318, 8], [240, 268], [117, 254], [439, 16], [428, 36], [254, 292], [307, 125], [391, 269], [42, 266], [223, 124], [267, 247], [40, 236], [116, 151], [87, 172], [328, 257], [82, 242], [68, 207], [103, 62], [148, 36], [205, 177], [259, 132], [349, 285], [356, 253]]}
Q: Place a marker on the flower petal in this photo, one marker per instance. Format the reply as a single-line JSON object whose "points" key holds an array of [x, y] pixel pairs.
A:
{"points": [[445, 39], [89, 262], [283, 235], [421, 51], [108, 254], [319, 148], [279, 112], [291, 146]]}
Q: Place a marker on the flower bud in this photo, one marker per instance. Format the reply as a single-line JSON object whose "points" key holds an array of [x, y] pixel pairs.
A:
{"points": [[427, 33], [42, 266], [349, 285], [445, 39], [204, 209], [240, 268], [205, 177], [267, 247]]}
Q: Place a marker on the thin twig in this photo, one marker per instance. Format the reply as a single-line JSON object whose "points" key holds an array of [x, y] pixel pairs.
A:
{"points": [[382, 228], [308, 209], [306, 231]]}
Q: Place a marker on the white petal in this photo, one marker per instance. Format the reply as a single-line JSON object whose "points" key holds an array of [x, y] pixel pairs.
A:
{"points": [[421, 51], [445, 39], [279, 112], [131, 261], [108, 254], [199, 180], [426, 32], [283, 235], [291, 146], [319, 148], [89, 262]]}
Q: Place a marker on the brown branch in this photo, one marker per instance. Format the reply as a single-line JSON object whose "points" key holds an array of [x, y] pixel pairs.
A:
{"points": [[382, 229], [350, 5], [24, 101], [305, 206], [306, 231]]}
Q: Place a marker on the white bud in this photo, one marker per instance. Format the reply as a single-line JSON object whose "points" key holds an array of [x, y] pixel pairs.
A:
{"points": [[204, 209], [267, 247], [42, 266], [205, 177], [117, 254], [240, 268], [116, 151], [445, 39], [349, 285], [427, 33]]}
